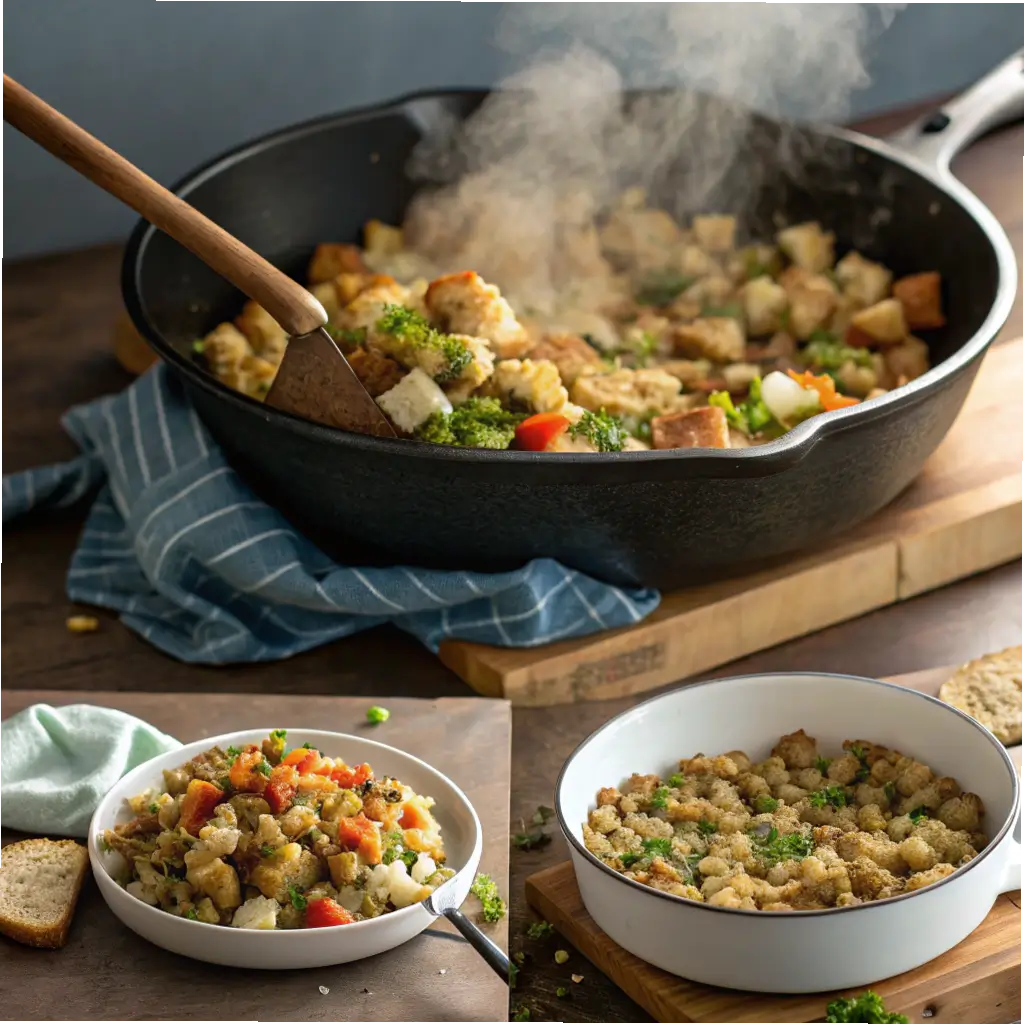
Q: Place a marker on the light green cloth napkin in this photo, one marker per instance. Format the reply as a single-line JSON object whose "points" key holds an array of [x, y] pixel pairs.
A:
{"points": [[56, 764]]}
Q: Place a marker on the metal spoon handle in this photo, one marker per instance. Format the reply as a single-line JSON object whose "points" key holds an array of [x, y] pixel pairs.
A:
{"points": [[492, 953], [294, 308]]}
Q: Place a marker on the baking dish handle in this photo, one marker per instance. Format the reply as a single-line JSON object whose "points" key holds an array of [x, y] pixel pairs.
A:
{"points": [[1012, 868], [996, 99]]}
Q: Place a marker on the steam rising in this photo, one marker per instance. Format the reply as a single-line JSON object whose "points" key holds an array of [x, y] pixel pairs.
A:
{"points": [[522, 181]]}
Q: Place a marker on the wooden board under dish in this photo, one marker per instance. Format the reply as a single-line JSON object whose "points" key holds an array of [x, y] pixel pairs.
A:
{"points": [[977, 982], [106, 972], [960, 517]]}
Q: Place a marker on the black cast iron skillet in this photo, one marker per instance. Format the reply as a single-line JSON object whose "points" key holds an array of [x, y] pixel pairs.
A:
{"points": [[658, 518]]}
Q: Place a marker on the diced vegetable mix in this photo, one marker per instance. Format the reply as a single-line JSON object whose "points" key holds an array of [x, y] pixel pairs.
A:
{"points": [[664, 324]]}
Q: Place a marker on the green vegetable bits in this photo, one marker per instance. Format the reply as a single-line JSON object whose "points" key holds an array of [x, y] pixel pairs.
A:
{"points": [[376, 714], [606, 433], [477, 423], [751, 416], [413, 330]]}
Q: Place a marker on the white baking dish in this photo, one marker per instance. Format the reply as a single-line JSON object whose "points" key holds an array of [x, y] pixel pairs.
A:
{"points": [[809, 951]]}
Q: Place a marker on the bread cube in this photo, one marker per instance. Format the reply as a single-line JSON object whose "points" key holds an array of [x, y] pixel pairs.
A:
{"points": [[884, 322], [921, 298], [706, 427], [808, 246]]}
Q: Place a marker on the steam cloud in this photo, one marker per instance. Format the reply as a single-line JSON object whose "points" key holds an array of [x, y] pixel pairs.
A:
{"points": [[520, 183]]}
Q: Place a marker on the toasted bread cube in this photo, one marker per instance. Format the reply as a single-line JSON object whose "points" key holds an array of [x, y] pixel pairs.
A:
{"points": [[884, 322], [348, 287], [907, 361], [865, 281], [465, 303], [738, 376], [718, 338], [382, 239], [378, 373], [413, 400], [715, 233], [706, 427], [808, 246], [329, 260], [693, 261], [921, 298], [267, 337], [764, 302], [809, 309], [569, 352], [225, 346]]}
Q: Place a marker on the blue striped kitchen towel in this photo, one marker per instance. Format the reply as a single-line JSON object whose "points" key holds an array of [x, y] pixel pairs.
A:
{"points": [[204, 570]]}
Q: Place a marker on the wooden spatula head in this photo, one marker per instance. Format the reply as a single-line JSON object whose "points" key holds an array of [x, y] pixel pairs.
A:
{"points": [[315, 381]]}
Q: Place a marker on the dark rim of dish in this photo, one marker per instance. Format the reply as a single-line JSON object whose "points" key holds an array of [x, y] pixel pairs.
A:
{"points": [[792, 446], [478, 828], [798, 915]]}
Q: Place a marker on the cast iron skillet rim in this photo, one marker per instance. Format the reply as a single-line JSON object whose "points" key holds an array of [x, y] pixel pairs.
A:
{"points": [[579, 847], [775, 456]]}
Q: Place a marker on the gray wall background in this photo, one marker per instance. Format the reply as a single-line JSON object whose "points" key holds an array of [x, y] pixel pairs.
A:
{"points": [[171, 85]]}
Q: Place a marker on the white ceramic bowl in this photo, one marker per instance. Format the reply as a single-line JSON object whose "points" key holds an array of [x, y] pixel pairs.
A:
{"points": [[809, 951], [314, 947]]}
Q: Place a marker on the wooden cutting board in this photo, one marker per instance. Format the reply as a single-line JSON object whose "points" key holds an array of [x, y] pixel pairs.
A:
{"points": [[106, 972], [961, 516], [977, 982]]}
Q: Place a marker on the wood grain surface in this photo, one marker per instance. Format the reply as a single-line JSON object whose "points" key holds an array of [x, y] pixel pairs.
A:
{"points": [[107, 973], [961, 516], [978, 981]]}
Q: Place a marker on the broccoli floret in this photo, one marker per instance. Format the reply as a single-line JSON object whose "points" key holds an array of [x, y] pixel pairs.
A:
{"points": [[606, 433], [751, 415], [867, 1008], [827, 352], [486, 891], [410, 328], [477, 423]]}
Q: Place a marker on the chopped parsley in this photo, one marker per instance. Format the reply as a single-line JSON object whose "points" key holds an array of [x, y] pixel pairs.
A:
{"points": [[706, 828], [644, 347], [376, 714], [409, 858], [279, 734], [917, 814], [513, 969], [409, 327], [675, 780], [629, 859], [660, 797], [750, 416], [867, 1008], [562, 992], [530, 840], [299, 901], [890, 791], [543, 815], [661, 288], [606, 433], [266, 850], [831, 795], [223, 784], [486, 891], [540, 930], [308, 746], [477, 423], [822, 763], [658, 847], [153, 808], [765, 804], [774, 848], [520, 1013], [233, 751], [263, 767], [191, 914]]}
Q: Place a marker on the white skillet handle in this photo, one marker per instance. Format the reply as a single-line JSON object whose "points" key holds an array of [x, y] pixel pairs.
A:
{"points": [[996, 99], [1013, 872]]}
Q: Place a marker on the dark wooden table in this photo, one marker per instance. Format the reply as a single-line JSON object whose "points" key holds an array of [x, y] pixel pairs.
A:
{"points": [[57, 318]]}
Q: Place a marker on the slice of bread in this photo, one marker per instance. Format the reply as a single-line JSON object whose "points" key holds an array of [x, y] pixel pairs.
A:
{"points": [[39, 885]]}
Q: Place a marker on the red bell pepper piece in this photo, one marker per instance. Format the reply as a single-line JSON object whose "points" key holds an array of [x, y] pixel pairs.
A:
{"points": [[281, 788], [537, 432], [325, 913], [349, 778]]}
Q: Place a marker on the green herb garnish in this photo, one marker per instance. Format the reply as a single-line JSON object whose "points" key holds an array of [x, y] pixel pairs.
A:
{"points": [[263, 767], [520, 1013], [660, 797], [540, 930], [867, 1008], [412, 329], [606, 433], [765, 804], [543, 815], [890, 791], [675, 780], [629, 859], [706, 828], [532, 840], [827, 352], [562, 992], [644, 347], [191, 914], [299, 901], [774, 848], [266, 850], [661, 288], [833, 795], [486, 891], [477, 423], [279, 734], [343, 334], [658, 847], [917, 814], [376, 714], [822, 763], [223, 784], [233, 751]]}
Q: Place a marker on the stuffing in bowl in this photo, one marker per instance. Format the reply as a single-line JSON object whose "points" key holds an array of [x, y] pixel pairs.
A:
{"points": [[263, 837]]}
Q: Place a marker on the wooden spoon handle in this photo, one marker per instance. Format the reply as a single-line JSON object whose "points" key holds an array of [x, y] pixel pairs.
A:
{"points": [[294, 308]]}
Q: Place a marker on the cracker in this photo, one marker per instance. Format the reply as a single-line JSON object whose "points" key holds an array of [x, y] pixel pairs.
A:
{"points": [[989, 690]]}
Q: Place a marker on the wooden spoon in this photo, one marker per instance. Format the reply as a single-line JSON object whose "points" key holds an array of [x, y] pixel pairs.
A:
{"points": [[314, 380]]}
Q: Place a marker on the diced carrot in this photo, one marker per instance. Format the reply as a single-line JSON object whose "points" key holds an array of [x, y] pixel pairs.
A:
{"points": [[244, 774], [535, 433], [414, 816], [281, 788], [325, 913], [197, 805], [826, 389], [349, 778], [359, 833], [302, 759]]}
